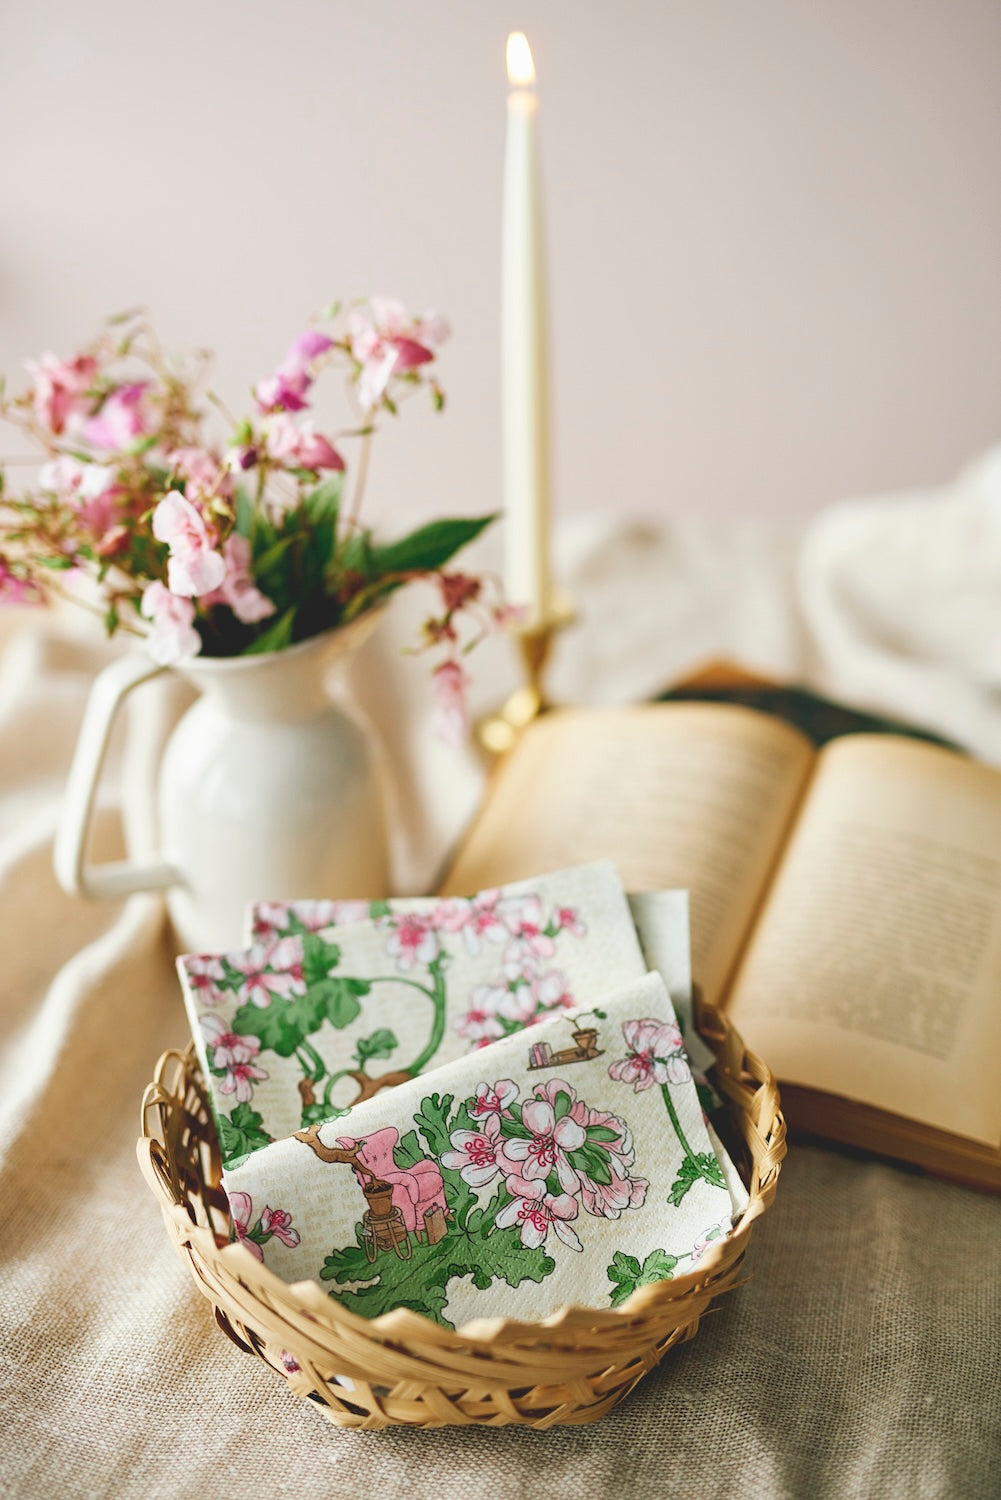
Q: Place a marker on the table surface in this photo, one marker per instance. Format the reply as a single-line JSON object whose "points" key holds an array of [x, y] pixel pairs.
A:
{"points": [[860, 1359]]}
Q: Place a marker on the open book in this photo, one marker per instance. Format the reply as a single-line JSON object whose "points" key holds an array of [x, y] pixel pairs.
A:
{"points": [[846, 903]]}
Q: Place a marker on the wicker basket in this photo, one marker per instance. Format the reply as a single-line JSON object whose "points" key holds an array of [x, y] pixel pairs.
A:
{"points": [[402, 1368]]}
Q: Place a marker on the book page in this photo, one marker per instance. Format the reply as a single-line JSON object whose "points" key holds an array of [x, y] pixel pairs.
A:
{"points": [[875, 970], [682, 796]]}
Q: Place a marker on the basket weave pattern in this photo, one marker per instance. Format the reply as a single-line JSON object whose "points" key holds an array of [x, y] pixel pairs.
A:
{"points": [[403, 1369]]}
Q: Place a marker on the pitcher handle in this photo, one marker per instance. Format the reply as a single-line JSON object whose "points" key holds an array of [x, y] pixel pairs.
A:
{"points": [[117, 877]]}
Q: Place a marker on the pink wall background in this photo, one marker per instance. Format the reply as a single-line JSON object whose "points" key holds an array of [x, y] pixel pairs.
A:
{"points": [[775, 228]]}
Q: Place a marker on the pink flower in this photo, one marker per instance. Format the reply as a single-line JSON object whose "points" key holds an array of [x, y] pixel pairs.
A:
{"points": [[385, 342], [275, 1222], [260, 984], [121, 418], [300, 446], [241, 1206], [536, 1211], [173, 637], [551, 992], [567, 919], [204, 973], [204, 477], [282, 393], [317, 916], [305, 349], [715, 1232], [479, 1026], [523, 917], [90, 489], [194, 568], [519, 1004], [475, 1153], [415, 1188], [270, 918], [413, 940], [240, 1079], [495, 1098], [238, 590], [227, 1046], [450, 720], [475, 919], [278, 1222], [287, 388], [61, 388], [13, 588], [286, 957], [656, 1055], [547, 1149]]}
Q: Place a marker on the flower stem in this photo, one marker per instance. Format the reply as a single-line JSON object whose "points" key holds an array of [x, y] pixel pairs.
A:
{"points": [[314, 1064], [437, 998], [665, 1089]]}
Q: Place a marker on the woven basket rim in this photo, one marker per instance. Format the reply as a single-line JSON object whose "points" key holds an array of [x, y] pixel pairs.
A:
{"points": [[752, 1085]]}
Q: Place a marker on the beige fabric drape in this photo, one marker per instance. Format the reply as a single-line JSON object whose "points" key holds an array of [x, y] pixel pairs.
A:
{"points": [[860, 1360]]}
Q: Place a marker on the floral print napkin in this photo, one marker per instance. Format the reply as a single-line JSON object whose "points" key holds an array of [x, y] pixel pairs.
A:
{"points": [[319, 1014], [570, 1165]]}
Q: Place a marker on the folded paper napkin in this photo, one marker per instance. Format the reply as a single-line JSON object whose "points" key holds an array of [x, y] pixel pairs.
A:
{"points": [[572, 1164], [316, 1015], [660, 918]]}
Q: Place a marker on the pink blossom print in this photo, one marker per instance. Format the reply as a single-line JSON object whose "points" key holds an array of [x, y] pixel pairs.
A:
{"points": [[535, 1211], [494, 1098], [547, 1148], [204, 973], [233, 1057], [261, 984], [656, 1055], [474, 1153], [412, 941], [526, 988], [253, 1233]]}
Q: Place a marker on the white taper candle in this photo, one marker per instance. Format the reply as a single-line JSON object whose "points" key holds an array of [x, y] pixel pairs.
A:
{"points": [[524, 368]]}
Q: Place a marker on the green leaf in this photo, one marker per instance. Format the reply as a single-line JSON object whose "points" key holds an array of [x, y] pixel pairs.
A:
{"points": [[435, 1126], [408, 1150], [430, 546], [382, 1043], [601, 1133], [703, 1167], [593, 1161], [324, 503], [340, 999], [319, 958], [283, 1025], [627, 1274], [266, 562], [241, 1133], [421, 1283], [379, 909], [277, 636], [561, 1107]]}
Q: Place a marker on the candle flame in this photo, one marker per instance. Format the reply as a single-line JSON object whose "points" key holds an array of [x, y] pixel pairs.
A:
{"points": [[520, 67]]}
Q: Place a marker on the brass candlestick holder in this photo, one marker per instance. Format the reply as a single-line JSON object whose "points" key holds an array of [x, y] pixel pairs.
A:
{"points": [[498, 732]]}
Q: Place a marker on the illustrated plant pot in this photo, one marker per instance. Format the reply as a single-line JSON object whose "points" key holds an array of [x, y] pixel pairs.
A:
{"points": [[587, 1040], [380, 1199]]}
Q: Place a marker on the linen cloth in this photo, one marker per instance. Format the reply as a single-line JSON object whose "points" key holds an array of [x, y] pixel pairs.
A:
{"points": [[860, 1359]]}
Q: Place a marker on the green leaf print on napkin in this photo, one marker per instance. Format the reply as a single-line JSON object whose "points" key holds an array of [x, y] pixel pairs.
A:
{"points": [[627, 1273]]}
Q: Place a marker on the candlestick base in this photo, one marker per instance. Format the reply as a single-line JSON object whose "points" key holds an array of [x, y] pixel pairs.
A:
{"points": [[498, 733]]}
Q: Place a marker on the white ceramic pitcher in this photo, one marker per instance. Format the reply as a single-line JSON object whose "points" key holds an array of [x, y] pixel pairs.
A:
{"points": [[267, 790]]}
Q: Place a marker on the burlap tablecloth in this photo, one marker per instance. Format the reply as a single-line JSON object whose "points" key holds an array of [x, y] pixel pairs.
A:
{"points": [[861, 1359]]}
